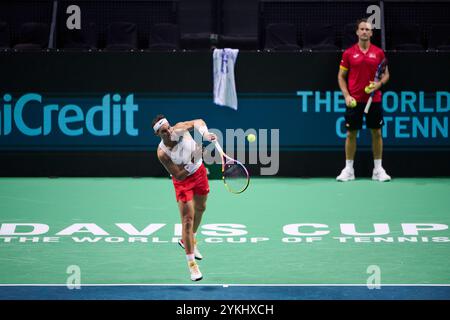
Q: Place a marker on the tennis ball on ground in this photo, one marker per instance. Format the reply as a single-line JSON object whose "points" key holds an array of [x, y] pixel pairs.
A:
{"points": [[353, 103], [251, 137]]}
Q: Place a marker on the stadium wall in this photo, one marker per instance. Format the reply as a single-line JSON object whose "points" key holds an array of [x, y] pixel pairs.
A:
{"points": [[89, 114]]}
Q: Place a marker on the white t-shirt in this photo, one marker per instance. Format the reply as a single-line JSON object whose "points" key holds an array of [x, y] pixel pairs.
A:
{"points": [[183, 151]]}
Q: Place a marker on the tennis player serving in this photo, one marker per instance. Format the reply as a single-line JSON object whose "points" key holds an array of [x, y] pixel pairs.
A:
{"points": [[182, 158]]}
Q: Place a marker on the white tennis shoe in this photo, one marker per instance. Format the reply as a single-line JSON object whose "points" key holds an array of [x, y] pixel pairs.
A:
{"points": [[347, 174], [197, 253], [380, 175], [196, 275]]}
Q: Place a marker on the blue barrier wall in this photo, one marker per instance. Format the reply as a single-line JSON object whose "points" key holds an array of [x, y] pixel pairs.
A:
{"points": [[103, 103], [306, 120]]}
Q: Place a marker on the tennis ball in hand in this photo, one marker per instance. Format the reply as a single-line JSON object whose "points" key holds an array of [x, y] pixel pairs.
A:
{"points": [[251, 137], [353, 103], [369, 87]]}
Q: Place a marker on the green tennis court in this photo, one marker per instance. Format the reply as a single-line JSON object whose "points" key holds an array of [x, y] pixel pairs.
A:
{"points": [[246, 239]]}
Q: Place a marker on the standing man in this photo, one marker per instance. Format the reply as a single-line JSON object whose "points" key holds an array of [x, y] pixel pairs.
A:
{"points": [[357, 69], [182, 158]]}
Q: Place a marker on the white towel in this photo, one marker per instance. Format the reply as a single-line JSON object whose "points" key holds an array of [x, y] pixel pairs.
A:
{"points": [[223, 70]]}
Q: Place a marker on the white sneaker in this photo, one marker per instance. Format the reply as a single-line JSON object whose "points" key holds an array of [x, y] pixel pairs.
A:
{"points": [[347, 174], [380, 175], [197, 253], [196, 275]]}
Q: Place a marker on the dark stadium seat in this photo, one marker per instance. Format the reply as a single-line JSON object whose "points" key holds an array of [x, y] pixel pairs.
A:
{"points": [[164, 36], [239, 41], [122, 36], [406, 37], [439, 37], [321, 37], [33, 36], [5, 37], [85, 38], [239, 24], [416, 17], [196, 24], [281, 37], [196, 40], [349, 36], [18, 13]]}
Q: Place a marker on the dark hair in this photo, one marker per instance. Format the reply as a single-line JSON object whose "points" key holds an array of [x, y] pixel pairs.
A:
{"points": [[156, 119], [359, 22]]}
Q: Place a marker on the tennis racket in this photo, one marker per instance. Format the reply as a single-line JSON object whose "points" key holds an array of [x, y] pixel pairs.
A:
{"points": [[380, 69], [234, 174]]}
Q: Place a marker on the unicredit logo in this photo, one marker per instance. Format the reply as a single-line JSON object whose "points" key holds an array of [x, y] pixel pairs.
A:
{"points": [[113, 115]]}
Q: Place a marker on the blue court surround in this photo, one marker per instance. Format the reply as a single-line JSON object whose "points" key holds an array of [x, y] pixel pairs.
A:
{"points": [[220, 292]]}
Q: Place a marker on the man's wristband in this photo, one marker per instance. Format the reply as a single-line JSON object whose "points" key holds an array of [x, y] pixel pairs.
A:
{"points": [[202, 130], [190, 167]]}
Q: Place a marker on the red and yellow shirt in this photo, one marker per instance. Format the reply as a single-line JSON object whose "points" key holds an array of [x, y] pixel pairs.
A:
{"points": [[361, 69]]}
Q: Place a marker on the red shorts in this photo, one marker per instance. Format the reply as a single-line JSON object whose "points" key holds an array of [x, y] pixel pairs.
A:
{"points": [[196, 183]]}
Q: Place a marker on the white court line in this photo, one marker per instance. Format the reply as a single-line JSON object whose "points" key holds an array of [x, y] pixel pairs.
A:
{"points": [[216, 285]]}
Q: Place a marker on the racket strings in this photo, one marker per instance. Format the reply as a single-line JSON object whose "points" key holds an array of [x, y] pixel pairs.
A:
{"points": [[232, 169], [235, 176]]}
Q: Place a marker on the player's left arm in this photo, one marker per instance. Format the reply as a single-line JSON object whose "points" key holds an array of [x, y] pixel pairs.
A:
{"points": [[385, 76], [189, 125], [199, 125], [383, 80]]}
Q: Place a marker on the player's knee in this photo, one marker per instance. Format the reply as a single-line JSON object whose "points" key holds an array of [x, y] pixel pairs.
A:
{"points": [[188, 221], [186, 214], [376, 133], [351, 134], [200, 208]]}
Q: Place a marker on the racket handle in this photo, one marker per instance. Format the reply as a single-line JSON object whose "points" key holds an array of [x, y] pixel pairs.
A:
{"points": [[218, 147], [369, 102]]}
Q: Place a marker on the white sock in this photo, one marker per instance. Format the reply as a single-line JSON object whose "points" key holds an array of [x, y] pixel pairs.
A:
{"points": [[349, 164], [190, 257], [377, 164]]}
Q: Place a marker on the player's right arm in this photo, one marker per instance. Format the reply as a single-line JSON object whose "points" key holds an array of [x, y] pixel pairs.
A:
{"points": [[342, 78], [342, 81], [177, 171]]}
